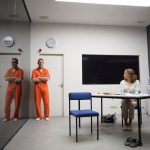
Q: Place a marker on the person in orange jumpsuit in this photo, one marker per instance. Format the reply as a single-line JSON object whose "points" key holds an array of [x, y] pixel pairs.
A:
{"points": [[40, 76], [14, 76]]}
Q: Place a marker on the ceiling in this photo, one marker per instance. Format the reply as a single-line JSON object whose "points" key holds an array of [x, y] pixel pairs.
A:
{"points": [[13, 10], [61, 12]]}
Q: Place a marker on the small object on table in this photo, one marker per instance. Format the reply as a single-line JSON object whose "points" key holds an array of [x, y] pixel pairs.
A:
{"points": [[108, 93]]}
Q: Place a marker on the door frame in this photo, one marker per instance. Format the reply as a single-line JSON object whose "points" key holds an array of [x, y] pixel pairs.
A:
{"points": [[62, 55]]}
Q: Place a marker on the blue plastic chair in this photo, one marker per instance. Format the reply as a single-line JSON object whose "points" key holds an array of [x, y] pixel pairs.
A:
{"points": [[82, 113]]}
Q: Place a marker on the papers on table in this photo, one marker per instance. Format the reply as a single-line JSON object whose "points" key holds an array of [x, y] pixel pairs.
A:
{"points": [[119, 96]]}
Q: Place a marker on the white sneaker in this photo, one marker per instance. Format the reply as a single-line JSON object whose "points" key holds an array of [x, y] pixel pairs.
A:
{"points": [[15, 119], [130, 128], [125, 128], [37, 119], [5, 120], [47, 118]]}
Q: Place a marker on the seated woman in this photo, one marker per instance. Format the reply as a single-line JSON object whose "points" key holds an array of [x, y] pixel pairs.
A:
{"points": [[130, 84]]}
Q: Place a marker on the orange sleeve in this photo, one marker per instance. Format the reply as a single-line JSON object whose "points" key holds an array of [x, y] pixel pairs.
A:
{"points": [[21, 74], [33, 74]]}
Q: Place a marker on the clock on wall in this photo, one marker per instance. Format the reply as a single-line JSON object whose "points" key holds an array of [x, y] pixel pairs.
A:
{"points": [[8, 41], [51, 43]]}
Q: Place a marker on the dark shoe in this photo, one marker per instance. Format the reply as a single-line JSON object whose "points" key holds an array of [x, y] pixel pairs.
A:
{"points": [[134, 143], [128, 141]]}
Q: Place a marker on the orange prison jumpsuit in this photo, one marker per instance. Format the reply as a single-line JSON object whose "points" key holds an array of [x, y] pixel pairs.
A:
{"points": [[14, 90], [41, 91]]}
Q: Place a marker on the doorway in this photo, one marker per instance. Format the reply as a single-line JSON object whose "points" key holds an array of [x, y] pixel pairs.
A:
{"points": [[54, 63]]}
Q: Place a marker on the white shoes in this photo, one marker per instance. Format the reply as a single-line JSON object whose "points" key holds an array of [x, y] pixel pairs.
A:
{"points": [[37, 119], [15, 119], [47, 118], [5, 120]]}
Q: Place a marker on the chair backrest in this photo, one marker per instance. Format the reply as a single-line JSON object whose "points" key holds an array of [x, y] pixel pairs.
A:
{"points": [[80, 96]]}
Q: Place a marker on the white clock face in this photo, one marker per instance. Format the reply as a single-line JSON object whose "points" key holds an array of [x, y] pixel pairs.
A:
{"points": [[8, 41], [51, 43]]}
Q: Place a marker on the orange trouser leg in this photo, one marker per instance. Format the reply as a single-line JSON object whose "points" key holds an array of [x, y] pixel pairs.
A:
{"points": [[45, 96], [37, 93], [8, 100], [17, 98]]}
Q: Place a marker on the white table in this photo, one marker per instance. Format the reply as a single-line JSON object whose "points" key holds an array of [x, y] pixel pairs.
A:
{"points": [[137, 97]]}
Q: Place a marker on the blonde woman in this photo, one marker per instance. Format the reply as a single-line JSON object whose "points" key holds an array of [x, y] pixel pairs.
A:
{"points": [[130, 84]]}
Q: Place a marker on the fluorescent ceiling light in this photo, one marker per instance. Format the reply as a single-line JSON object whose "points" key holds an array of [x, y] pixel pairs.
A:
{"points": [[141, 3]]}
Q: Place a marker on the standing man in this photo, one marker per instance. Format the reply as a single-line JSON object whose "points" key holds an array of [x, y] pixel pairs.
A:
{"points": [[40, 76], [14, 77]]}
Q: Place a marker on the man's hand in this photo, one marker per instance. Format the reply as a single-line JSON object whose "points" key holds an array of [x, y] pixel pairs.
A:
{"points": [[10, 79], [43, 79], [36, 80], [18, 80]]}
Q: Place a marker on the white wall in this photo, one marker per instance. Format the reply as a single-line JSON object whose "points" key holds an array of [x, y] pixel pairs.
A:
{"points": [[75, 40], [21, 33]]}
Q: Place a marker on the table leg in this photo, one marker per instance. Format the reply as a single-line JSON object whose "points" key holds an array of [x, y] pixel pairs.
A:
{"points": [[101, 109], [139, 121]]}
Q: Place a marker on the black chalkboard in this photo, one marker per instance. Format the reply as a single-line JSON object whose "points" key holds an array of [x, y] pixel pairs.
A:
{"points": [[107, 69]]}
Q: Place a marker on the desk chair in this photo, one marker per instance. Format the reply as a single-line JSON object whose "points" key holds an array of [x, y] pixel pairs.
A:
{"points": [[82, 113]]}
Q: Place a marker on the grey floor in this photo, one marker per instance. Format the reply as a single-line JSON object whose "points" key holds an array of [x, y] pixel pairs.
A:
{"points": [[8, 130], [53, 135]]}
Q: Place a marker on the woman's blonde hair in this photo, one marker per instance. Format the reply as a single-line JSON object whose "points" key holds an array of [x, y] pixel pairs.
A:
{"points": [[132, 75]]}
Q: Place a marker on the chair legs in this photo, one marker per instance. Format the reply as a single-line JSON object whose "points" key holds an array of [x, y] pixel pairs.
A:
{"points": [[97, 127], [79, 126], [91, 125], [76, 129], [79, 122], [70, 125]]}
